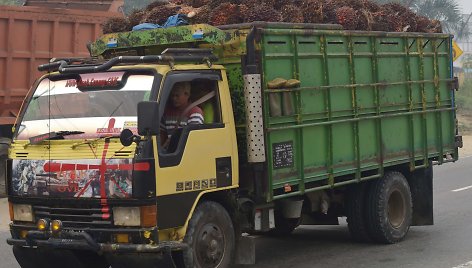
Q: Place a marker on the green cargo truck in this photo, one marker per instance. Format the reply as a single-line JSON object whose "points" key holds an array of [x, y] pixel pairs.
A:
{"points": [[301, 124]]}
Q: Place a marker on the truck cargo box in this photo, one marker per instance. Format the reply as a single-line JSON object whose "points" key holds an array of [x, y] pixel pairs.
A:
{"points": [[366, 100]]}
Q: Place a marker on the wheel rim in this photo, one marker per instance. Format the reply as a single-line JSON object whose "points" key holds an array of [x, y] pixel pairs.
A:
{"points": [[210, 246], [396, 209]]}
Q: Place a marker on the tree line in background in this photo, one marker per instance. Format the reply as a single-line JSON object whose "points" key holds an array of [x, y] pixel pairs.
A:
{"points": [[446, 11]]}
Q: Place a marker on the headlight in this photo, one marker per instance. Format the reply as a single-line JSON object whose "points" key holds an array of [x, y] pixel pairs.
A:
{"points": [[22, 213], [127, 216]]}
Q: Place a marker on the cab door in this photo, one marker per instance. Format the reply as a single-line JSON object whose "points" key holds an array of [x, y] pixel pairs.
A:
{"points": [[200, 157]]}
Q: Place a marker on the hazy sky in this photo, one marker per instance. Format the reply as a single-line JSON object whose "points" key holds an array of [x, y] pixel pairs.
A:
{"points": [[466, 6]]}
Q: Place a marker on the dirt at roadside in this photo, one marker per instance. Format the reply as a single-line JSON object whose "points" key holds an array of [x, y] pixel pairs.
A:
{"points": [[466, 150], [4, 214]]}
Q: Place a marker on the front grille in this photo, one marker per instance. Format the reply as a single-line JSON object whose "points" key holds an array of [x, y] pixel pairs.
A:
{"points": [[76, 217]]}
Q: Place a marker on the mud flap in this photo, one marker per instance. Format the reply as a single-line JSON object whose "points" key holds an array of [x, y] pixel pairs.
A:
{"points": [[421, 186], [245, 251]]}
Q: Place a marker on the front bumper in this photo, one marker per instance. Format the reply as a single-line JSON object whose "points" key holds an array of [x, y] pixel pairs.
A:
{"points": [[81, 240]]}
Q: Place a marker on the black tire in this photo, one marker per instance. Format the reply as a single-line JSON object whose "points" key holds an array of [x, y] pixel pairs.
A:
{"points": [[389, 208], [356, 212], [210, 237]]}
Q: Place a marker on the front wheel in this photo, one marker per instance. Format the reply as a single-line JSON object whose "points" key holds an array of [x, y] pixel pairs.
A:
{"points": [[389, 208], [210, 237]]}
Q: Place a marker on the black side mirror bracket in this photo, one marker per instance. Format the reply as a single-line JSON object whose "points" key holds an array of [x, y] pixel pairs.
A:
{"points": [[127, 138]]}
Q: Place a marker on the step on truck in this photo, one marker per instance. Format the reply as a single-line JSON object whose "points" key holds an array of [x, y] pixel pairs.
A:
{"points": [[285, 124]]}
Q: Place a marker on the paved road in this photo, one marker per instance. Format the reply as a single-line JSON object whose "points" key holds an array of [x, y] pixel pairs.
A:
{"points": [[446, 244]]}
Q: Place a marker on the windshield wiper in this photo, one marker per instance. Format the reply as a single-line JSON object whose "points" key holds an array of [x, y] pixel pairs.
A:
{"points": [[55, 135], [91, 142]]}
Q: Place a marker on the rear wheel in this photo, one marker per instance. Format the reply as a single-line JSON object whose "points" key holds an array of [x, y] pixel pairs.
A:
{"points": [[389, 208], [356, 218], [210, 237]]}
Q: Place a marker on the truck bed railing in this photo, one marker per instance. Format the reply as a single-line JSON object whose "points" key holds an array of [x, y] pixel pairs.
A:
{"points": [[169, 56]]}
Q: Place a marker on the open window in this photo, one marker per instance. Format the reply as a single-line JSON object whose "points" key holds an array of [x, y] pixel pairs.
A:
{"points": [[190, 101]]}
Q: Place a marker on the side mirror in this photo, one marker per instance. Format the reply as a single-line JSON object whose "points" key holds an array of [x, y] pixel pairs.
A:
{"points": [[148, 118], [127, 137]]}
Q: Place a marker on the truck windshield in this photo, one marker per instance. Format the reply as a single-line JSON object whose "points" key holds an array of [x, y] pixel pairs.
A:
{"points": [[95, 105]]}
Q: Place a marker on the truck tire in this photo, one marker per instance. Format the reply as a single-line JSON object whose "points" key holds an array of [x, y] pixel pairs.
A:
{"points": [[210, 237], [389, 208], [356, 212]]}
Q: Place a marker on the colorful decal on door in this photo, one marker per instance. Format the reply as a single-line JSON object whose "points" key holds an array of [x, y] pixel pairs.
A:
{"points": [[92, 178]]}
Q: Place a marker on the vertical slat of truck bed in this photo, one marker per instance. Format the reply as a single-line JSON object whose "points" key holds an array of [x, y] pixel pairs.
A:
{"points": [[298, 111], [411, 133], [420, 44], [355, 109], [265, 107], [375, 72], [438, 102], [9, 62], [324, 51], [32, 59]]}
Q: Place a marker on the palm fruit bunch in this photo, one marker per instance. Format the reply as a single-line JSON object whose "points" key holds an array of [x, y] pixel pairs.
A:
{"points": [[135, 17], [364, 15], [203, 14], [291, 13], [313, 11], [329, 11], [226, 13], [262, 12], [115, 25], [159, 14], [391, 12], [402, 19], [347, 17]]}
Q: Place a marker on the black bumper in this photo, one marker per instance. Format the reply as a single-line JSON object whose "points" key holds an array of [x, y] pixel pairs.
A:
{"points": [[83, 241]]}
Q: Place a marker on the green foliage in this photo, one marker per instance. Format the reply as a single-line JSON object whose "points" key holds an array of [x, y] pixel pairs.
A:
{"points": [[464, 96], [464, 107]]}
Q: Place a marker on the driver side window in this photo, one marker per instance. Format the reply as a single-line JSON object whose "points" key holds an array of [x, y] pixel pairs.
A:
{"points": [[190, 105]]}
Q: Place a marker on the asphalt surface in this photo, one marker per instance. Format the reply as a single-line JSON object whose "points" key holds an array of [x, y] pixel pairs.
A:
{"points": [[447, 244]]}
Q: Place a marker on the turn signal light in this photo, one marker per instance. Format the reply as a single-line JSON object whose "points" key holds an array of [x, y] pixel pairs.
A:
{"points": [[23, 234], [122, 238], [56, 226], [149, 216], [42, 225], [10, 208]]}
